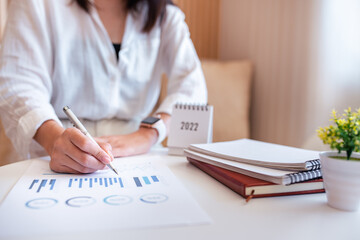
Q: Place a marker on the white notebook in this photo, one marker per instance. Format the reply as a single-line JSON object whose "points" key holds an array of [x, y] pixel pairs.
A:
{"points": [[189, 124], [262, 154], [267, 161], [282, 177]]}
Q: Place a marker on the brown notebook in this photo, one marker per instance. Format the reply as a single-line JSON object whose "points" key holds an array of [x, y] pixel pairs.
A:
{"points": [[250, 187]]}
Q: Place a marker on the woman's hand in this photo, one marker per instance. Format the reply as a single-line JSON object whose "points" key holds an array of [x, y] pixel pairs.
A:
{"points": [[135, 143], [71, 151], [132, 144]]}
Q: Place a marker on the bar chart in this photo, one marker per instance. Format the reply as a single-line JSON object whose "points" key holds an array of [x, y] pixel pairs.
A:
{"points": [[97, 181], [38, 185], [41, 185], [121, 182]]}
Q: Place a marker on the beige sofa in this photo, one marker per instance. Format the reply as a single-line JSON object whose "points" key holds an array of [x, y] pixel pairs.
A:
{"points": [[229, 88]]}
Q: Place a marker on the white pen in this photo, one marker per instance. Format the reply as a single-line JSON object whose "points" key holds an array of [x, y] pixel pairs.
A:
{"points": [[76, 122]]}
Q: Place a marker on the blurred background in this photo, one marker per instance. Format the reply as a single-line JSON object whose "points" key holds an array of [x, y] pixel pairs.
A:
{"points": [[305, 54]]}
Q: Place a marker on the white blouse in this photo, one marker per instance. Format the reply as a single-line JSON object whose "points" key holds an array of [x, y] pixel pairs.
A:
{"points": [[55, 54]]}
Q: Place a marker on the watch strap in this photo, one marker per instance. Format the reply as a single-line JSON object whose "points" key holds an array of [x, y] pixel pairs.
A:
{"points": [[159, 126]]}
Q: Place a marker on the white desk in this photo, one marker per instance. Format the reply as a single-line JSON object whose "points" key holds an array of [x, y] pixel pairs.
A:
{"points": [[290, 217]]}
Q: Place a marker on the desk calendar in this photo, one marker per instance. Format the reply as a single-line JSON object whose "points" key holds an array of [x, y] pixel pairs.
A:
{"points": [[190, 123]]}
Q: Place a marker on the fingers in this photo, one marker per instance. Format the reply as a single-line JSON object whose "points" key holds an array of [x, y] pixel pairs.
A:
{"points": [[82, 158], [67, 165], [73, 152], [107, 148], [88, 146]]}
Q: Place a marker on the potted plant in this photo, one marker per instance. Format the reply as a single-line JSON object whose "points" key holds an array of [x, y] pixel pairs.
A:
{"points": [[341, 168]]}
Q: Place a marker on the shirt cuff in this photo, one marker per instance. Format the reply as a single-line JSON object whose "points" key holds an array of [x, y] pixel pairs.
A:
{"points": [[28, 125]]}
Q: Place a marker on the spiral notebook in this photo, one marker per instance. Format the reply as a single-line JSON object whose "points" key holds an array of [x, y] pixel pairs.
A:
{"points": [[267, 174], [262, 154], [190, 123], [267, 161]]}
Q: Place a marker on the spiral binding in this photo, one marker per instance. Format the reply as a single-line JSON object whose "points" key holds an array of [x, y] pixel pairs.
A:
{"points": [[304, 176], [193, 107], [313, 164]]}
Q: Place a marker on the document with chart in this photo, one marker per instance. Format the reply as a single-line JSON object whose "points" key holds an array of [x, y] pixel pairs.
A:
{"points": [[142, 195]]}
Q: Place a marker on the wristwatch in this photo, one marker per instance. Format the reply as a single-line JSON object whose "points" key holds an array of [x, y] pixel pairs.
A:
{"points": [[157, 124]]}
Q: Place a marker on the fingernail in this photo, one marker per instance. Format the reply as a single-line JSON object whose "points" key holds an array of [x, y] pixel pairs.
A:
{"points": [[110, 155], [106, 158]]}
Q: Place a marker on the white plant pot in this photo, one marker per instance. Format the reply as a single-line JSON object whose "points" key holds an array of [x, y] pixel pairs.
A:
{"points": [[341, 180]]}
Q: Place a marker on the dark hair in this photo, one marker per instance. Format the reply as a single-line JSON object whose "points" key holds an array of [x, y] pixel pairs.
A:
{"points": [[156, 8]]}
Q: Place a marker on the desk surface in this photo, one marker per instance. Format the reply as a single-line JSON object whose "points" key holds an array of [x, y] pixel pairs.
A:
{"points": [[288, 217]]}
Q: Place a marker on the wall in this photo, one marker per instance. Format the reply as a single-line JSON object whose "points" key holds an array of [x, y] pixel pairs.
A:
{"points": [[202, 17], [336, 67], [3, 6], [295, 86]]}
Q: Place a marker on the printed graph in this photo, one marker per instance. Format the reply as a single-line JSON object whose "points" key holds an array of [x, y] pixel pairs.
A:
{"points": [[97, 181], [101, 201], [38, 184], [41, 185]]}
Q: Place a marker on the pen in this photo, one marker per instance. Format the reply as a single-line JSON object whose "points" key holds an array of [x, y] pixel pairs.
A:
{"points": [[76, 122]]}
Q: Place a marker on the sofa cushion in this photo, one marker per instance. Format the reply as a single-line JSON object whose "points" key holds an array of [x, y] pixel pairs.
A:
{"points": [[228, 84]]}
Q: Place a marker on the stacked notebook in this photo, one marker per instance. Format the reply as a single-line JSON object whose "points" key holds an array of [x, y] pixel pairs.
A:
{"points": [[258, 169]]}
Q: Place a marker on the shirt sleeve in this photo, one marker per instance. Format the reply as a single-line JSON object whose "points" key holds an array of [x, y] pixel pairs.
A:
{"points": [[186, 82], [25, 73]]}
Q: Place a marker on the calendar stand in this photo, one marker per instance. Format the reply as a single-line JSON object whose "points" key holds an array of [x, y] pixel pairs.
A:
{"points": [[189, 124]]}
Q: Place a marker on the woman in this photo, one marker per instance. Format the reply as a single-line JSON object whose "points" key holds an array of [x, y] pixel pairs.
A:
{"points": [[57, 53]]}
